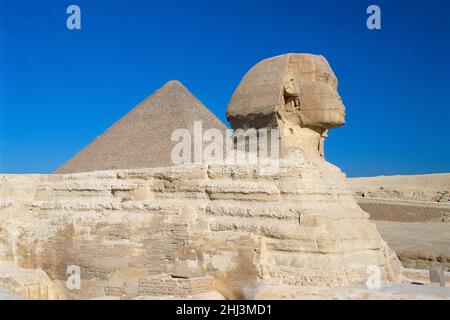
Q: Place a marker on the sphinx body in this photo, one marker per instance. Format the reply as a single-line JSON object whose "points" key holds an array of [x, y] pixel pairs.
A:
{"points": [[298, 227], [249, 230]]}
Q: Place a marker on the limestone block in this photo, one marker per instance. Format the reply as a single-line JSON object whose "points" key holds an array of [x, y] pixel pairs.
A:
{"points": [[30, 284]]}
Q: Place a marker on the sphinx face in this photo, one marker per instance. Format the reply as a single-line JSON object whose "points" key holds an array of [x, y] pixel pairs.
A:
{"points": [[319, 104]]}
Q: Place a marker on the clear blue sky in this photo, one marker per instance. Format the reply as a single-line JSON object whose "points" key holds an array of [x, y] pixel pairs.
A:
{"points": [[59, 89]]}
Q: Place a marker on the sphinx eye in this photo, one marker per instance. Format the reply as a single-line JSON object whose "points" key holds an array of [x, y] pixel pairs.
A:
{"points": [[324, 77]]}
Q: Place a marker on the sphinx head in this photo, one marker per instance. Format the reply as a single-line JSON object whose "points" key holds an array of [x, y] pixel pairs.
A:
{"points": [[296, 93], [310, 93]]}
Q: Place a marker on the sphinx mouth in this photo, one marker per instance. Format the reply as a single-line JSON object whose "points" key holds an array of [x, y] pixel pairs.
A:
{"points": [[338, 108], [340, 111]]}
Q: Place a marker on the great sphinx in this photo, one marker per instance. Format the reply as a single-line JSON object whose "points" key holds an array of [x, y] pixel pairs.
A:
{"points": [[256, 235], [297, 94]]}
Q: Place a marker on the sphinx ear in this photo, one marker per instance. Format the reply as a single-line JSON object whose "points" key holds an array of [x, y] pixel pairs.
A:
{"points": [[290, 85], [291, 91]]}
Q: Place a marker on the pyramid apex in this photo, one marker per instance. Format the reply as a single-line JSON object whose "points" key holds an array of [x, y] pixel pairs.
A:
{"points": [[173, 83]]}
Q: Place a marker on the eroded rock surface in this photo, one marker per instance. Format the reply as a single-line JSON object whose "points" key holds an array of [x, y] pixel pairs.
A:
{"points": [[298, 227]]}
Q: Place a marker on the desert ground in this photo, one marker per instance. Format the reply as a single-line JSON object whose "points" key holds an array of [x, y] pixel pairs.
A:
{"points": [[412, 213]]}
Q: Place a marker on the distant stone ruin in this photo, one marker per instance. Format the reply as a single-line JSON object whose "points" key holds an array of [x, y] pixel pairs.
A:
{"points": [[231, 229]]}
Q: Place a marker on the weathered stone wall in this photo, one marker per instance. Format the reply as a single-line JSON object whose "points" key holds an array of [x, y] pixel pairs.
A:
{"points": [[156, 286], [421, 187], [405, 210], [298, 226]]}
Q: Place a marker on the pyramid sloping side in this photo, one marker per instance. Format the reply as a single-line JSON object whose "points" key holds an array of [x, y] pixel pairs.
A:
{"points": [[142, 137]]}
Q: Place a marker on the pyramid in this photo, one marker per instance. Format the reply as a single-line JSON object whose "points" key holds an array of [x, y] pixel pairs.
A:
{"points": [[142, 138]]}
